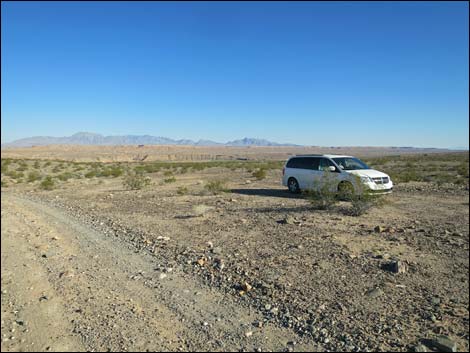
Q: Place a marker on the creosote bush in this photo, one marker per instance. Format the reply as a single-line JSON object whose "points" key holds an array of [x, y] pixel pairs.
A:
{"points": [[260, 174], [182, 190], [33, 176], [324, 195], [47, 183], [169, 180], [216, 186], [135, 181]]}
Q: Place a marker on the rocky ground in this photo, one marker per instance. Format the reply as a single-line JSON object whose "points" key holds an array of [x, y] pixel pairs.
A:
{"points": [[251, 269]]}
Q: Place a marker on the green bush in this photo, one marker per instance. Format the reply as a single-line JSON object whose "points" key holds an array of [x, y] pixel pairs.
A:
{"points": [[65, 176], [113, 171], [169, 180], [361, 204], [47, 183], [182, 190], [33, 176], [4, 184], [260, 174], [91, 174], [135, 181], [216, 186], [168, 173], [324, 196]]}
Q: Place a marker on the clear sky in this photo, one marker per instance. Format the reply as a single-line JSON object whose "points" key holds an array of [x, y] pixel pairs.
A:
{"points": [[331, 74]]}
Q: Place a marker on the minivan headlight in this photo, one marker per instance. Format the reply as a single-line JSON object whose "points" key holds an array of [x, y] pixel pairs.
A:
{"points": [[366, 179]]}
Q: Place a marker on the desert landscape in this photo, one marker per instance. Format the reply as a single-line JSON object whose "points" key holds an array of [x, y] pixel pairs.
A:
{"points": [[103, 249]]}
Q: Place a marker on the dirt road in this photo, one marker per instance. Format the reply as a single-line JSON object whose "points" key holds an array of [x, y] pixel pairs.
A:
{"points": [[67, 287]]}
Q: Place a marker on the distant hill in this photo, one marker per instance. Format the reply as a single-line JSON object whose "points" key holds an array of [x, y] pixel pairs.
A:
{"points": [[88, 138]]}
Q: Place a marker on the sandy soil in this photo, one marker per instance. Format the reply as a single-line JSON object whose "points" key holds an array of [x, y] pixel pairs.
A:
{"points": [[320, 281], [191, 153]]}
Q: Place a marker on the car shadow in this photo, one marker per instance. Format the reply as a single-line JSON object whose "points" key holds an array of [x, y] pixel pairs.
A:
{"points": [[268, 192]]}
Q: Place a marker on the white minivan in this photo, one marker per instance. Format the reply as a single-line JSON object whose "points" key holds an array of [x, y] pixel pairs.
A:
{"points": [[346, 174]]}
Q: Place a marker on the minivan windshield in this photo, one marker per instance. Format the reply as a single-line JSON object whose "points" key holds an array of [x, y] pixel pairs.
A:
{"points": [[350, 163]]}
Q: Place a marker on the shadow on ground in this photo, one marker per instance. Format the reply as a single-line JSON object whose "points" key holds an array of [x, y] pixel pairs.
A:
{"points": [[268, 192]]}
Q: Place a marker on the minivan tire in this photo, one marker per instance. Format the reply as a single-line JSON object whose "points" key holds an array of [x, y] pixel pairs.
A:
{"points": [[293, 185]]}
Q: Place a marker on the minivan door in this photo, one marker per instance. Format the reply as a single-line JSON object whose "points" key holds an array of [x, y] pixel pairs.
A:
{"points": [[325, 177], [313, 172]]}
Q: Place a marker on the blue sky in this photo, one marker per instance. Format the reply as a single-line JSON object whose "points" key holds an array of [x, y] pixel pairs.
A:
{"points": [[331, 74]]}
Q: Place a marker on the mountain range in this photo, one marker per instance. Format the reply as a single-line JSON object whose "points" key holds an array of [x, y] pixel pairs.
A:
{"points": [[88, 138]]}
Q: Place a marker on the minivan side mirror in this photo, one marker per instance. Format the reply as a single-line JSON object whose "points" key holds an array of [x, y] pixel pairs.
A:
{"points": [[332, 168]]}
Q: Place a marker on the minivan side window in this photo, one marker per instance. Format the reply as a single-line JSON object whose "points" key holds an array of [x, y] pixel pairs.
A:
{"points": [[303, 163], [325, 163], [293, 163]]}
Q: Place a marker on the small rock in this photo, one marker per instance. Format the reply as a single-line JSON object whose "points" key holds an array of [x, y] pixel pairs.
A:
{"points": [[398, 267], [436, 301], [420, 348], [375, 293], [379, 229], [249, 333], [443, 344], [162, 276], [246, 287], [287, 220], [201, 261]]}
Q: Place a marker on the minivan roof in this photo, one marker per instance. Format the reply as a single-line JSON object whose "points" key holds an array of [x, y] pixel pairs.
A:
{"points": [[322, 155]]}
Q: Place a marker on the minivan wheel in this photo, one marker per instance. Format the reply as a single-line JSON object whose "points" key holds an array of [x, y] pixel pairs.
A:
{"points": [[293, 186], [345, 190]]}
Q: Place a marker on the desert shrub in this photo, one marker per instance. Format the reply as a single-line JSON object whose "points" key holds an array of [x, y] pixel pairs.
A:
{"points": [[33, 176], [201, 210], [15, 174], [361, 204], [4, 184], [216, 186], [22, 168], [169, 180], [47, 183], [260, 174], [135, 181], [91, 174], [182, 190], [168, 173], [112, 171], [65, 176], [406, 176], [47, 164], [462, 169], [36, 165], [324, 196]]}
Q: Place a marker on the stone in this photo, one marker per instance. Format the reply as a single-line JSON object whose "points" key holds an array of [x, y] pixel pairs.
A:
{"points": [[379, 229], [162, 276], [398, 267], [443, 344], [246, 287], [420, 348], [375, 293], [287, 220], [435, 301]]}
